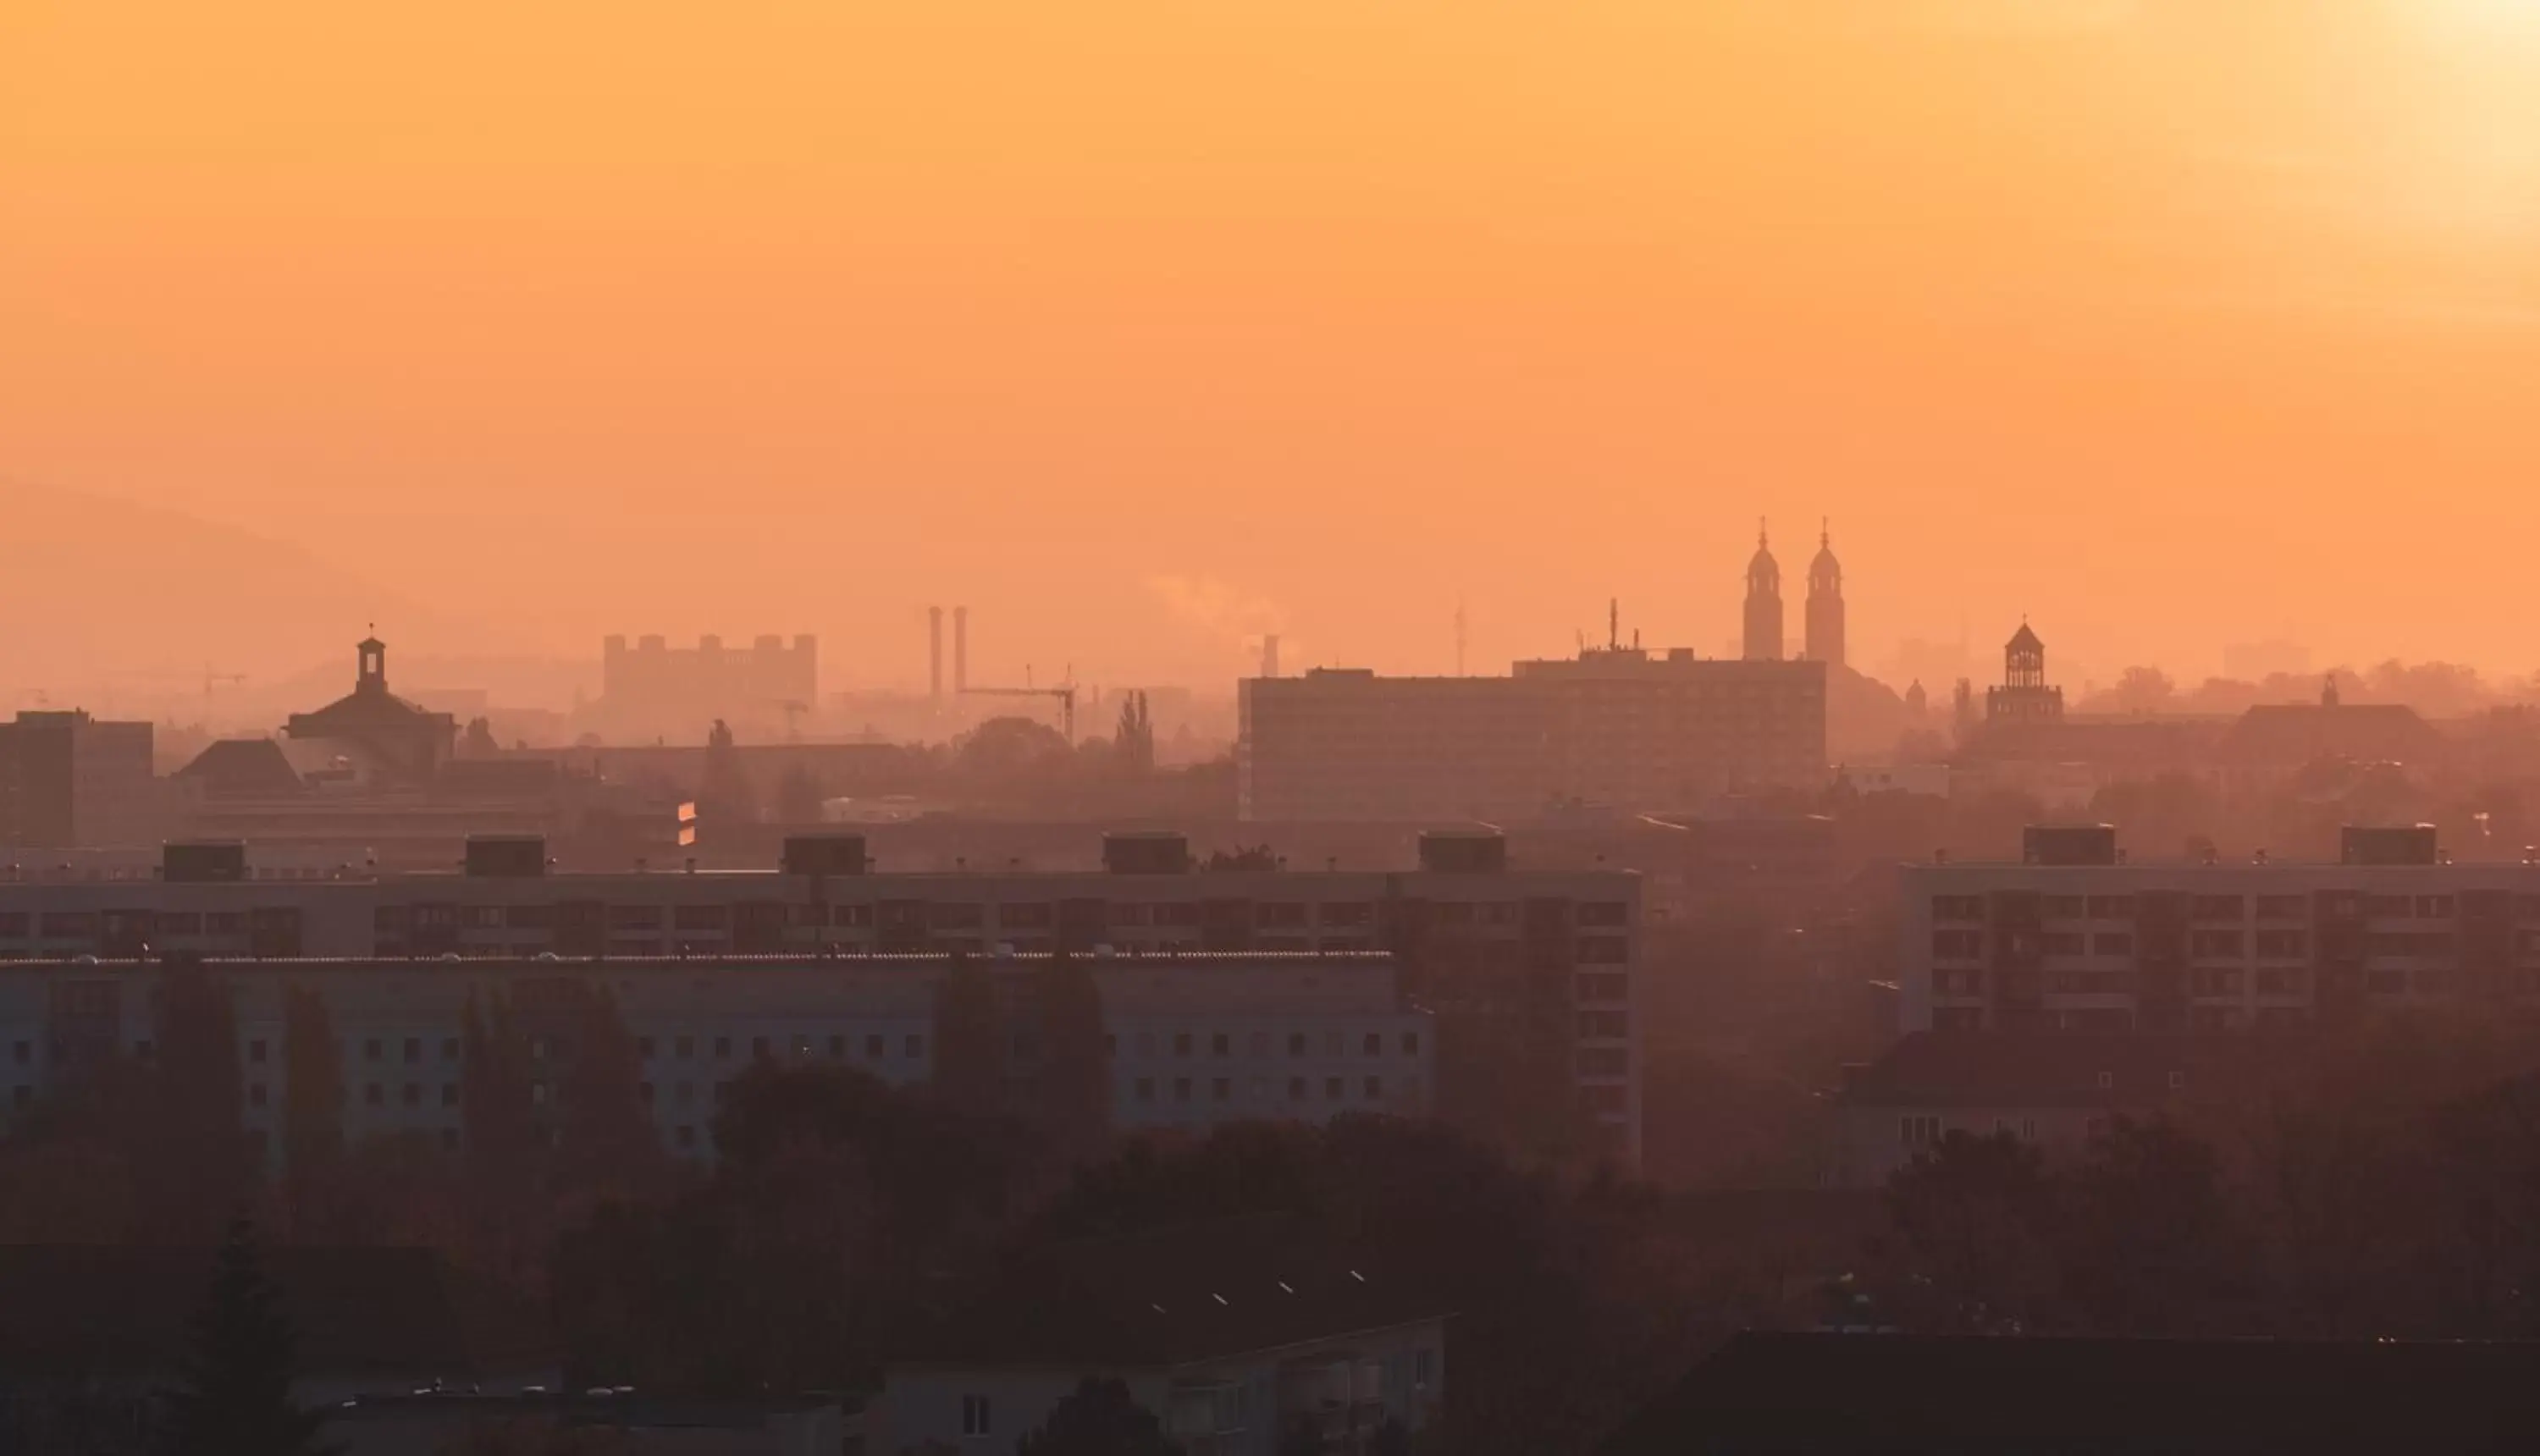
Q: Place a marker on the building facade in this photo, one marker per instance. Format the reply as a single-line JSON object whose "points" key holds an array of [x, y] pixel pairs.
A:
{"points": [[1634, 729], [2077, 939], [1191, 1041], [1553, 954], [652, 677], [69, 781]]}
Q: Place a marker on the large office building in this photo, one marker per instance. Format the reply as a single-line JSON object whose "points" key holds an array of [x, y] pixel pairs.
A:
{"points": [[2076, 939], [1523, 963], [1616, 725], [1191, 1041], [652, 679], [68, 780]]}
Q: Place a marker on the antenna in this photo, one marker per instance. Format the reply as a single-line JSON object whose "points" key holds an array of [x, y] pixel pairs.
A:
{"points": [[1613, 623]]}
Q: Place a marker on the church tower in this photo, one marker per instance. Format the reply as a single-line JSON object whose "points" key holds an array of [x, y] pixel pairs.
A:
{"points": [[1763, 603], [1825, 604], [2024, 696]]}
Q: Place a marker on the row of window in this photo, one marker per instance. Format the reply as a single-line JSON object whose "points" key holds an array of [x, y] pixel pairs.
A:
{"points": [[2232, 908], [1143, 1044], [939, 914], [1220, 1089]]}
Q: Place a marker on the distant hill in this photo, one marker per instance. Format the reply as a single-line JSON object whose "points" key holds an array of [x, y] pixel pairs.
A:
{"points": [[109, 600]]}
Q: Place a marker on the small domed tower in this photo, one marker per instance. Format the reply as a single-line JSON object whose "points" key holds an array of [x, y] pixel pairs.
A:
{"points": [[1825, 604], [1763, 602]]}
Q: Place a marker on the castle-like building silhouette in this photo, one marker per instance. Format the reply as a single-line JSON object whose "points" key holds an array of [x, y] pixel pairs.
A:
{"points": [[1764, 642]]}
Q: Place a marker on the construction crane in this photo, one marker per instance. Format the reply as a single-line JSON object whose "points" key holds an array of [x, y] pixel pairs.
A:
{"points": [[1064, 692]]}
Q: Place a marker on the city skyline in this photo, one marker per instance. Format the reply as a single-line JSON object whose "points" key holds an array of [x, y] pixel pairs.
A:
{"points": [[1565, 301]]}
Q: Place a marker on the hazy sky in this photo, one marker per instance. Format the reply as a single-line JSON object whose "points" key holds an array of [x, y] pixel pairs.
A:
{"points": [[1141, 326]]}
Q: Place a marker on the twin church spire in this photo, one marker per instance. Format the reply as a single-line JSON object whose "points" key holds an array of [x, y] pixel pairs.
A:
{"points": [[1764, 639]]}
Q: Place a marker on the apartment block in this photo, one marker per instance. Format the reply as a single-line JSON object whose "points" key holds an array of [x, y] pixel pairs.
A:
{"points": [[1616, 725], [1191, 1041], [2075, 939], [1544, 960]]}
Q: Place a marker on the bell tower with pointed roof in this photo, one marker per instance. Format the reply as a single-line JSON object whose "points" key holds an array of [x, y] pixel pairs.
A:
{"points": [[2024, 695], [1763, 639], [1825, 603]]}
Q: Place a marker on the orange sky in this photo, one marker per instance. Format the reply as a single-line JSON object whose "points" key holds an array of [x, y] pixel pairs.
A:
{"points": [[1142, 324]]}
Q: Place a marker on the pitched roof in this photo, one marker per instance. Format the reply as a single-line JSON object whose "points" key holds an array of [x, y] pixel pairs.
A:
{"points": [[358, 1312], [2052, 1069], [2025, 638], [2290, 735], [1831, 1395], [244, 767], [1176, 1296]]}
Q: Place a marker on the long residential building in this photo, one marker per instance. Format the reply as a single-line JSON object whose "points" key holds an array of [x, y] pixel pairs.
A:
{"points": [[1191, 1041], [1616, 725], [2076, 939], [1544, 960]]}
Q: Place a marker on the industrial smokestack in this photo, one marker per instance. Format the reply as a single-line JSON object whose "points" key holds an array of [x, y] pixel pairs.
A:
{"points": [[960, 649], [1270, 655], [934, 653]]}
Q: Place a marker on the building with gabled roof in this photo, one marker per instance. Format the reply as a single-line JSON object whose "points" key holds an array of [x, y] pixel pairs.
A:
{"points": [[1233, 1333], [384, 739]]}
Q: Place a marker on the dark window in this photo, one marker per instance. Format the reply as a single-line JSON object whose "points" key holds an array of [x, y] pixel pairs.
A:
{"points": [[1295, 1043], [372, 1095], [449, 1094], [414, 1050], [1411, 1044], [254, 1051], [1375, 1089], [1220, 1089], [1181, 1088], [1220, 1045], [701, 917], [1146, 1089]]}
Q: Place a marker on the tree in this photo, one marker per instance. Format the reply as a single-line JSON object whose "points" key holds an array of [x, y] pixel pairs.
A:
{"points": [[192, 1163], [1134, 741], [969, 1046], [1972, 1212], [1006, 753], [607, 1140], [2144, 1238], [1098, 1420], [1073, 1098], [479, 740], [237, 1398], [723, 792], [2142, 690], [312, 1086], [799, 794]]}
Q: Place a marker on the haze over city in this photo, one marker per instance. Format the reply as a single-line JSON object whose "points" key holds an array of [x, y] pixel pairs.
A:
{"points": [[1269, 728], [1145, 329]]}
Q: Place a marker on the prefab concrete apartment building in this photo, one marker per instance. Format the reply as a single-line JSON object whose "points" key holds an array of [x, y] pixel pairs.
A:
{"points": [[1457, 925], [2076, 939]]}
